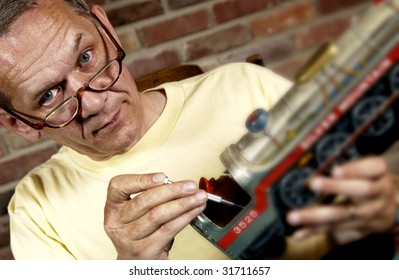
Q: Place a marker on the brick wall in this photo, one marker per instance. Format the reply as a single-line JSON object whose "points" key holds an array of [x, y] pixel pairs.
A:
{"points": [[161, 33]]}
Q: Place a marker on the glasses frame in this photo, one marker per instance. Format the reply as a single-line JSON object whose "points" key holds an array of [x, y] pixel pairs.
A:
{"points": [[120, 55]]}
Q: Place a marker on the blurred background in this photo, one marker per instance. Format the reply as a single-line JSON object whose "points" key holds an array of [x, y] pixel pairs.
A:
{"points": [[160, 33]]}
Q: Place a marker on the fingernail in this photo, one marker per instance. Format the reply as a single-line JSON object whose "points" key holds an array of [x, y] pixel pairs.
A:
{"points": [[316, 184], [201, 196], [158, 178], [299, 235], [293, 219], [189, 186], [337, 172]]}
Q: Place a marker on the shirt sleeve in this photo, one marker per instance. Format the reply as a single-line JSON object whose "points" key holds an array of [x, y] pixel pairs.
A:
{"points": [[32, 236]]}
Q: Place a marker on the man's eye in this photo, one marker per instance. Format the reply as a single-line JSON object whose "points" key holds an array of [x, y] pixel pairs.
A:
{"points": [[84, 58], [49, 96]]}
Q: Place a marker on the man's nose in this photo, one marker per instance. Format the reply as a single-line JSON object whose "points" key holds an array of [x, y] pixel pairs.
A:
{"points": [[92, 103]]}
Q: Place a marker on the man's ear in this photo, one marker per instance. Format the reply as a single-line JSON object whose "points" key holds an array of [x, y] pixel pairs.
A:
{"points": [[18, 127], [102, 15]]}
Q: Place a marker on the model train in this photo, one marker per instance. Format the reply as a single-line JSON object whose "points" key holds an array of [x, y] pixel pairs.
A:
{"points": [[344, 104]]}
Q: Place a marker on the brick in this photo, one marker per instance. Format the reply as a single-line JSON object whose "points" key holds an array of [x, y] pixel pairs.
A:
{"points": [[16, 168], [174, 28], [151, 63], [290, 67], [209, 64], [15, 141], [328, 6], [6, 254], [397, 242], [97, 2], [128, 40], [217, 42], [177, 4], [323, 32], [271, 50], [231, 9], [134, 12], [280, 20], [3, 150], [239, 55], [5, 197], [4, 231]]}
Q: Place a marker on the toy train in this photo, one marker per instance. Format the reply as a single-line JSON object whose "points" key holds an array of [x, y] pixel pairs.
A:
{"points": [[344, 104]]}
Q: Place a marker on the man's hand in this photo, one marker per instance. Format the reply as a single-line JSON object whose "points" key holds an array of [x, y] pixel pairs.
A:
{"points": [[367, 204], [142, 215]]}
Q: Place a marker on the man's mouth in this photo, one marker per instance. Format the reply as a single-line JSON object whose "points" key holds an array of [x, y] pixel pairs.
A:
{"points": [[109, 124]]}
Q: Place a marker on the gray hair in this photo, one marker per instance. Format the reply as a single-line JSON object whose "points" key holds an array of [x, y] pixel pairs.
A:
{"points": [[10, 11]]}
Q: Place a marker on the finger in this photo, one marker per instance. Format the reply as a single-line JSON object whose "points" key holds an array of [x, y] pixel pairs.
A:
{"points": [[167, 212], [369, 167], [372, 215], [306, 232], [147, 200], [335, 229], [336, 237], [380, 206], [341, 237], [353, 188], [123, 186], [364, 215], [319, 215], [169, 230], [375, 215], [119, 195]]}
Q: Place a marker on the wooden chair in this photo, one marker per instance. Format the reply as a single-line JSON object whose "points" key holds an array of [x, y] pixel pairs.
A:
{"points": [[169, 74], [179, 72]]}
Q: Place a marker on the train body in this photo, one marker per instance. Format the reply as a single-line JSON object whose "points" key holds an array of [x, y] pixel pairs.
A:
{"points": [[343, 105]]}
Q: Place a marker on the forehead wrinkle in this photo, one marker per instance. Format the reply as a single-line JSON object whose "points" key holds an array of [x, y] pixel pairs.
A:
{"points": [[62, 54], [21, 68]]}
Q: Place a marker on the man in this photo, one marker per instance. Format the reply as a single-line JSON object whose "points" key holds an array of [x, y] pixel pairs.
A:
{"points": [[102, 196]]}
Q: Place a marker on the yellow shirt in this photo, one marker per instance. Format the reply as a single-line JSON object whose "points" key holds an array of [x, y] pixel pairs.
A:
{"points": [[57, 209]]}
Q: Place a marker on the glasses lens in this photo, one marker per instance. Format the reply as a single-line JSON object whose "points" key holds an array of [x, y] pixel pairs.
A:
{"points": [[64, 113], [106, 77]]}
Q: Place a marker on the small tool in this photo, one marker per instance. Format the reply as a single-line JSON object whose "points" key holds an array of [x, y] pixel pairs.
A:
{"points": [[219, 199], [211, 197]]}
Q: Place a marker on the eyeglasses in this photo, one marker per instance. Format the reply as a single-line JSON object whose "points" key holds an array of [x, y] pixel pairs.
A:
{"points": [[64, 113]]}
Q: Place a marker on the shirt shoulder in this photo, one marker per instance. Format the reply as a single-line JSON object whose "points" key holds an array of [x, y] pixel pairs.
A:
{"points": [[34, 186], [244, 82]]}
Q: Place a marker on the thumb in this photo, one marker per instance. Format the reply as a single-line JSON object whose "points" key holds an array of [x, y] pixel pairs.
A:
{"points": [[121, 187]]}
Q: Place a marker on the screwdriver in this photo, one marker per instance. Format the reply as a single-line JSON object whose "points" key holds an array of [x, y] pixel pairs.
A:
{"points": [[211, 197]]}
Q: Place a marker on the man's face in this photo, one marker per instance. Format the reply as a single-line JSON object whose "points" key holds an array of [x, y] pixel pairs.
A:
{"points": [[45, 49]]}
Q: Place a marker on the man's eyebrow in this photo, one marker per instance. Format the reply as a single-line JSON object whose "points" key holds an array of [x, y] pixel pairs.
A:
{"points": [[78, 40], [42, 90]]}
